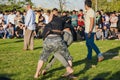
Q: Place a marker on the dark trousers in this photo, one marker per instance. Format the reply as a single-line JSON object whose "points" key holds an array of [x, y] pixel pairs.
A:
{"points": [[91, 45]]}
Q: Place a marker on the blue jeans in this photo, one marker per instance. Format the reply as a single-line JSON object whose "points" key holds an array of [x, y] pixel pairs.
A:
{"points": [[91, 45], [106, 33]]}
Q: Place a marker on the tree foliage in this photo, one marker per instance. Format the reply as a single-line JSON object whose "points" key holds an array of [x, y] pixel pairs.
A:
{"points": [[14, 5], [114, 5], [62, 4]]}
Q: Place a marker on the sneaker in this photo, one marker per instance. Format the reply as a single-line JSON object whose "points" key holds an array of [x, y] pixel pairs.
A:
{"points": [[101, 58]]}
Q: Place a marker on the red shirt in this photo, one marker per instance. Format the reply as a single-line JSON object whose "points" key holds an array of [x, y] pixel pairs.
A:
{"points": [[80, 17]]}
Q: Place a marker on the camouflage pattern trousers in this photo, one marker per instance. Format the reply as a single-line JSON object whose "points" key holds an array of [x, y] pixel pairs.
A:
{"points": [[57, 46], [68, 39]]}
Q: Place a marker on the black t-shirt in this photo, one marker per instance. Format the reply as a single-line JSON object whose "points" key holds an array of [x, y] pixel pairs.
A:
{"points": [[66, 22], [55, 24]]}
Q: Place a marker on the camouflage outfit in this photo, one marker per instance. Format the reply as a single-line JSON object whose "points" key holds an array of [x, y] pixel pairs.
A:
{"points": [[55, 44], [68, 39]]}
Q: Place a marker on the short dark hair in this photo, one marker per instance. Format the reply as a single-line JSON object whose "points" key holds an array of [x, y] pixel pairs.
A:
{"points": [[55, 9], [99, 12], [48, 11], [81, 10], [88, 3], [42, 10], [64, 12], [74, 11]]}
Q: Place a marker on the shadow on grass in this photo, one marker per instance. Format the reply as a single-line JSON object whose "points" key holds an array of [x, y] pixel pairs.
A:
{"points": [[111, 53], [5, 76], [47, 76], [102, 76], [115, 76], [37, 48], [17, 41], [88, 64]]}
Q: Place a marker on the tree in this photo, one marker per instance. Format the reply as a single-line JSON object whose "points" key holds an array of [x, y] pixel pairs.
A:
{"points": [[13, 5], [29, 1], [107, 5], [62, 4]]}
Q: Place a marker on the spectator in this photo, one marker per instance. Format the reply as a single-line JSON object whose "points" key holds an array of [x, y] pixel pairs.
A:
{"points": [[99, 33], [107, 20], [1, 17], [11, 17], [19, 30], [2, 32], [18, 18], [113, 26], [118, 23], [47, 15], [106, 25], [41, 18], [4, 25], [80, 28], [99, 19], [5, 17], [37, 16], [74, 19], [10, 31], [4, 28], [23, 17]]}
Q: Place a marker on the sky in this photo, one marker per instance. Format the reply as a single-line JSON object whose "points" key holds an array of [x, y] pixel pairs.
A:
{"points": [[70, 4]]}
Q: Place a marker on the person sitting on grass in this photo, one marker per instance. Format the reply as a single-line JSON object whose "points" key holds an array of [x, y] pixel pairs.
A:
{"points": [[10, 31], [1, 31], [99, 34], [19, 30]]}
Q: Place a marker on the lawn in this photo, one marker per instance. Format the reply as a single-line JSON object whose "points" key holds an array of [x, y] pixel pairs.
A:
{"points": [[17, 64]]}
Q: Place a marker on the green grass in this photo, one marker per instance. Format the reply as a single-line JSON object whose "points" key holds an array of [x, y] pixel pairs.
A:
{"points": [[17, 64]]}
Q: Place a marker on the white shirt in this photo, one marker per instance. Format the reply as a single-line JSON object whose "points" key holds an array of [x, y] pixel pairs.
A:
{"points": [[89, 13], [1, 18], [30, 20], [107, 19], [112, 20], [5, 26], [11, 18], [46, 19]]}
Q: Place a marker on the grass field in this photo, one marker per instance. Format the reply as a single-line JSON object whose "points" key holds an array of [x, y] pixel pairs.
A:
{"points": [[17, 64]]}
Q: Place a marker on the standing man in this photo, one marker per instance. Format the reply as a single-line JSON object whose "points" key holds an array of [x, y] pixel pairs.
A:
{"points": [[11, 17], [90, 31], [29, 28]]}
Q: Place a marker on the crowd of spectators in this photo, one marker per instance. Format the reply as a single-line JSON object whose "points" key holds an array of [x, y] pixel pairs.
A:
{"points": [[107, 24]]}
